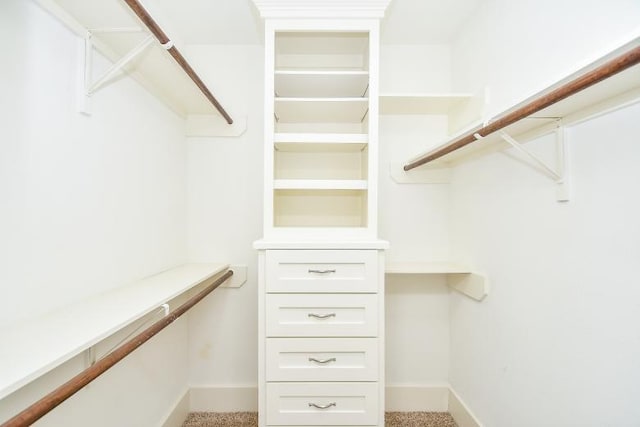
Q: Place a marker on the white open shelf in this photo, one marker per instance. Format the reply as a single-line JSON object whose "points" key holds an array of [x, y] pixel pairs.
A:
{"points": [[459, 277], [299, 142], [320, 83], [155, 69], [421, 103], [425, 268], [33, 348], [320, 110], [320, 184]]}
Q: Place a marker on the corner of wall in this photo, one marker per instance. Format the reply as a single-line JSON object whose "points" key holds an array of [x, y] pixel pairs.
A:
{"points": [[179, 412], [461, 412]]}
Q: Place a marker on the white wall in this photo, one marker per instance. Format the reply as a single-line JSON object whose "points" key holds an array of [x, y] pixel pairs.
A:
{"points": [[553, 343], [88, 204], [225, 177], [422, 68], [417, 309], [518, 48]]}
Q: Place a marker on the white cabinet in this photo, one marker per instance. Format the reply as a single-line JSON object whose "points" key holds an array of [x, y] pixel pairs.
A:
{"points": [[321, 324], [321, 269]]}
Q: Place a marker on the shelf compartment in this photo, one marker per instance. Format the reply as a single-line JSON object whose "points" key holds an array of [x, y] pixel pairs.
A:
{"points": [[321, 110], [322, 50], [320, 208], [319, 83], [321, 162], [421, 103], [320, 184]]}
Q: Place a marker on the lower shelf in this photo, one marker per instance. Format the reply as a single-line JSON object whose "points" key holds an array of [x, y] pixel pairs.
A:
{"points": [[320, 208], [57, 337], [459, 277]]}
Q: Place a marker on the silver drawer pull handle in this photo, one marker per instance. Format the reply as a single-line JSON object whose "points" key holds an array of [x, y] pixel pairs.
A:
{"points": [[321, 316], [322, 271], [327, 406], [313, 359]]}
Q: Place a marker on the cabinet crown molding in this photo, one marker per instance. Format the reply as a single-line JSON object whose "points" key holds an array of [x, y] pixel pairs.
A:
{"points": [[322, 8]]}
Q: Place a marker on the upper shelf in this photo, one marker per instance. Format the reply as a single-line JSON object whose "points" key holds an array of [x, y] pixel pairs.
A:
{"points": [[607, 83], [312, 51], [154, 68], [319, 83], [321, 110], [57, 337]]}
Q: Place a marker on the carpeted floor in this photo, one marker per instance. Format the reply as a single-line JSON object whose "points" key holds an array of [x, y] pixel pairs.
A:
{"points": [[250, 419]]}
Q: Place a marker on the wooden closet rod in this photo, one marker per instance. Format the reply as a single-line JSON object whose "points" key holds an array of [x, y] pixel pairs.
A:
{"points": [[144, 16], [40, 408], [604, 71]]}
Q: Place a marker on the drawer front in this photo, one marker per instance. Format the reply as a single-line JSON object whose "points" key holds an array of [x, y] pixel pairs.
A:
{"points": [[321, 315], [322, 271], [325, 404], [322, 359]]}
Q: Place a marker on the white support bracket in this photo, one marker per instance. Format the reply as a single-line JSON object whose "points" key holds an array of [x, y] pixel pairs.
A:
{"points": [[87, 87], [239, 277], [559, 175], [473, 285], [90, 356]]}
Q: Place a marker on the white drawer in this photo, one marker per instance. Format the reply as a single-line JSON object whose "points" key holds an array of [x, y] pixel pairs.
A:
{"points": [[326, 404], [322, 359], [321, 315], [322, 271]]}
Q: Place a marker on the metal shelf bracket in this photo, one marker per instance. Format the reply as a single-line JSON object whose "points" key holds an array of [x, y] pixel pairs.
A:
{"points": [[87, 87], [560, 173]]}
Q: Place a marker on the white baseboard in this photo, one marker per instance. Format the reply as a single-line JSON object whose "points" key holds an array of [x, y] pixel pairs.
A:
{"points": [[399, 398], [403, 398], [179, 413], [224, 399], [461, 412]]}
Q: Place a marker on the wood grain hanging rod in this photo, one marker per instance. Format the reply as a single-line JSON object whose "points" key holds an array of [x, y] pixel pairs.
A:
{"points": [[602, 72], [43, 406], [151, 24]]}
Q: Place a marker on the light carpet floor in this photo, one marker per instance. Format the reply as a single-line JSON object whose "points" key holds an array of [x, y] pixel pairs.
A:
{"points": [[250, 419]]}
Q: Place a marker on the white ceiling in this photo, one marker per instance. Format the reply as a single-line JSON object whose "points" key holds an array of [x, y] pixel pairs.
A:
{"points": [[237, 21]]}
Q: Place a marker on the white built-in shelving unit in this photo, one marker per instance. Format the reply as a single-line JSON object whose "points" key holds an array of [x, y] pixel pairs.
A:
{"points": [[320, 174], [321, 266]]}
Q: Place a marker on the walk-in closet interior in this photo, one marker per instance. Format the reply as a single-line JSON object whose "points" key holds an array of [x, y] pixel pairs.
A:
{"points": [[269, 213]]}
